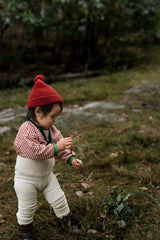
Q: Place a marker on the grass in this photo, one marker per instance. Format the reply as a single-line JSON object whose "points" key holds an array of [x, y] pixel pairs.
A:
{"points": [[117, 156]]}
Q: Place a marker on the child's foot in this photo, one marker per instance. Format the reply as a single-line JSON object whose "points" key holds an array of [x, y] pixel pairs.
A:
{"points": [[25, 232], [68, 223]]}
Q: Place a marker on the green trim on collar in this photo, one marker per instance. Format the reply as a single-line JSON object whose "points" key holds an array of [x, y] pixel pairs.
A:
{"points": [[69, 161], [55, 149]]}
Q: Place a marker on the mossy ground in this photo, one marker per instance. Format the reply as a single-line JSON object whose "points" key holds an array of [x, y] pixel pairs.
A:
{"points": [[121, 156]]}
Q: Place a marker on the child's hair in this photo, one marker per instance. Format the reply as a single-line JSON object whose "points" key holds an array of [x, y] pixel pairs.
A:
{"points": [[45, 110]]}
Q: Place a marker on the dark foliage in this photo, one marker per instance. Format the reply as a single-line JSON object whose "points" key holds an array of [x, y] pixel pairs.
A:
{"points": [[72, 36]]}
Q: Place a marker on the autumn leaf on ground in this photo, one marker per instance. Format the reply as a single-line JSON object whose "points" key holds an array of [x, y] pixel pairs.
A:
{"points": [[93, 231], [2, 219], [79, 193], [144, 188], [85, 185], [90, 193], [116, 154]]}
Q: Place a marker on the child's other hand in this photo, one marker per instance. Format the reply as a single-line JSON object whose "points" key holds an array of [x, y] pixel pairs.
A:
{"points": [[77, 164], [64, 143]]}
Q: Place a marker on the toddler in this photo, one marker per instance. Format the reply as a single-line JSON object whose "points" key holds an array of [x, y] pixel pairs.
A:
{"points": [[37, 143]]}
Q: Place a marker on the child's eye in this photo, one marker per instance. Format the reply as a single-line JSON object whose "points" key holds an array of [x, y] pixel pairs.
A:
{"points": [[53, 117]]}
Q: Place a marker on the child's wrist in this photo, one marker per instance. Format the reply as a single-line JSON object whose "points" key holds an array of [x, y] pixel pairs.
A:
{"points": [[69, 161], [55, 150]]}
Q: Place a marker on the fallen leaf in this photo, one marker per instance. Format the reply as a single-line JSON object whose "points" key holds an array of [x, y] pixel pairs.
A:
{"points": [[7, 153], [114, 186], [79, 193], [92, 184], [90, 175], [102, 215], [85, 185], [1, 219], [114, 154], [93, 231], [9, 179], [144, 188], [90, 193]]}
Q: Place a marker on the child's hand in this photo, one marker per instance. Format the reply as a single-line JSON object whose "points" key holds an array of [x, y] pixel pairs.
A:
{"points": [[64, 143], [77, 164]]}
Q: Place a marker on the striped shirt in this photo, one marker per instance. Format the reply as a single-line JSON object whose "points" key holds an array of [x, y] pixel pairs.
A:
{"points": [[31, 144]]}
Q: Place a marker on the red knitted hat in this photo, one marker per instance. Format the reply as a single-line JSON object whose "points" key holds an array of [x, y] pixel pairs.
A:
{"points": [[42, 94]]}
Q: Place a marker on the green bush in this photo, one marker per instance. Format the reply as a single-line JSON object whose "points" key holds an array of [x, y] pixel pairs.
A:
{"points": [[74, 35]]}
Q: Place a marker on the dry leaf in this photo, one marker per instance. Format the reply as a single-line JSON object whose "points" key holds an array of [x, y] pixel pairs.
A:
{"points": [[93, 231], [9, 179], [114, 186], [85, 185], [92, 184], [90, 175], [79, 193], [1, 219], [7, 153], [114, 154], [103, 215], [144, 188], [90, 193]]}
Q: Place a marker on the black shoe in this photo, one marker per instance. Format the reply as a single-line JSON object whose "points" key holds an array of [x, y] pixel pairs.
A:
{"points": [[69, 224], [25, 232]]}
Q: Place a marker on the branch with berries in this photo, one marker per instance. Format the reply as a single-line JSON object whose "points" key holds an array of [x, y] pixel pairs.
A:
{"points": [[75, 138]]}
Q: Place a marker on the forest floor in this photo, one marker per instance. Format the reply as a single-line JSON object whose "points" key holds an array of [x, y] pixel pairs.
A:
{"points": [[117, 196]]}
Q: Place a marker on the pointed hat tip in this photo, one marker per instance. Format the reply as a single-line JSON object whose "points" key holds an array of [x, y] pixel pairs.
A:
{"points": [[40, 77]]}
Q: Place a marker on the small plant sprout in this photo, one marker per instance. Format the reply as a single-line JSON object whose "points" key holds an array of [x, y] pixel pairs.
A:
{"points": [[116, 208]]}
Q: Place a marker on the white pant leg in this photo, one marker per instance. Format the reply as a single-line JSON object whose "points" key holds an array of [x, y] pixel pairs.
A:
{"points": [[56, 197], [27, 199]]}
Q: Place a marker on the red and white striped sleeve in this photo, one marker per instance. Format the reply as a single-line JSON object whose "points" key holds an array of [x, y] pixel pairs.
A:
{"points": [[30, 143]]}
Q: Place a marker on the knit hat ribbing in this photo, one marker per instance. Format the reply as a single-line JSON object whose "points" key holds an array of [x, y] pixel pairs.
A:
{"points": [[42, 94]]}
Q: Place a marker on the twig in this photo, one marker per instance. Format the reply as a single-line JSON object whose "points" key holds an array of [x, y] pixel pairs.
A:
{"points": [[85, 175]]}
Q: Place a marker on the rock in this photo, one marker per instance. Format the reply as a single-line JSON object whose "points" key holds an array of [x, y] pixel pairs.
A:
{"points": [[94, 111], [102, 105], [4, 130], [10, 115]]}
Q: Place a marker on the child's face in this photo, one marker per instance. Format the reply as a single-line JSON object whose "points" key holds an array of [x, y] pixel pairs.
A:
{"points": [[45, 121]]}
